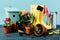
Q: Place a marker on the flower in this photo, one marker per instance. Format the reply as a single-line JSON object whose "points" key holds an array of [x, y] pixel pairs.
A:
{"points": [[24, 13], [7, 19]]}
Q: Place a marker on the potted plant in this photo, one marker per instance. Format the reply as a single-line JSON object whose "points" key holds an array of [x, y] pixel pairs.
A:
{"points": [[22, 22], [28, 28], [7, 25], [14, 27], [40, 30], [25, 22], [28, 19]]}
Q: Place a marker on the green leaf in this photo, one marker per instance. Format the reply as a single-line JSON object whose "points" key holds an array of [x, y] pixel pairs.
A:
{"points": [[36, 28], [39, 31]]}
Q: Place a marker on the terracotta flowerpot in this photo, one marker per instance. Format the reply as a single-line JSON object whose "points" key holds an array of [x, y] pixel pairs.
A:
{"points": [[28, 30], [43, 30], [15, 26], [7, 30], [32, 29], [25, 25]]}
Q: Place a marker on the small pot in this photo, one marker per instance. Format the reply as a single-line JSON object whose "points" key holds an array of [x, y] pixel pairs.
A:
{"points": [[15, 26], [28, 30], [43, 30], [7, 30], [25, 25], [14, 23]]}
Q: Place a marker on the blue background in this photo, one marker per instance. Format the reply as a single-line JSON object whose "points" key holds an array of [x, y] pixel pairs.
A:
{"points": [[53, 5]]}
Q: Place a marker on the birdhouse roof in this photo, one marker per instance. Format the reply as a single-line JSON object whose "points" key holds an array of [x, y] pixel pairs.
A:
{"points": [[13, 11]]}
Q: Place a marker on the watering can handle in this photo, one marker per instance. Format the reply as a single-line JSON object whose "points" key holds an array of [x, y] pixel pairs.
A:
{"points": [[46, 11]]}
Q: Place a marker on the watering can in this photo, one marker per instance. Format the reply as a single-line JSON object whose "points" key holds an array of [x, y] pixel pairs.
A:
{"points": [[38, 12]]}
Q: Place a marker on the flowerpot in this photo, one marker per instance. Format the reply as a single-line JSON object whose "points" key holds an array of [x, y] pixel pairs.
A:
{"points": [[32, 29], [28, 30], [42, 28], [14, 27], [25, 25], [7, 30]]}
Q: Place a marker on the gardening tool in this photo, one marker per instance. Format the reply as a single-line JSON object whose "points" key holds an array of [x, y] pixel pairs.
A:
{"points": [[54, 17], [38, 11]]}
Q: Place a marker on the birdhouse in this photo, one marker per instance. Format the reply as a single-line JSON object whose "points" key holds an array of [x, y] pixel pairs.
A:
{"points": [[12, 13]]}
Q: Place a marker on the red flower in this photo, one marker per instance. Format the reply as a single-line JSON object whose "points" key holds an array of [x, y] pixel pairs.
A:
{"points": [[7, 19]]}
